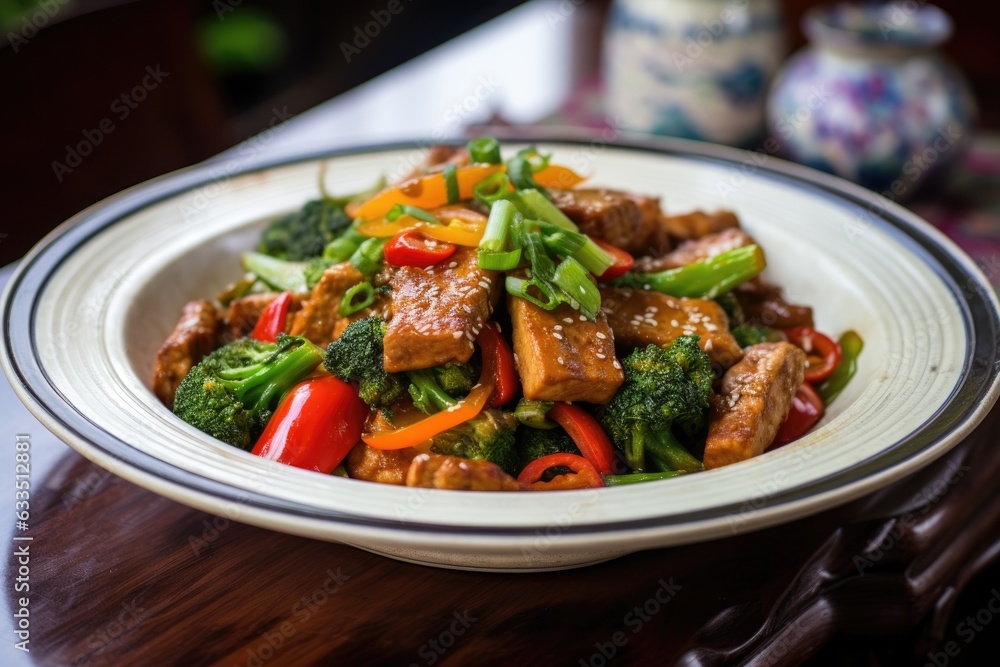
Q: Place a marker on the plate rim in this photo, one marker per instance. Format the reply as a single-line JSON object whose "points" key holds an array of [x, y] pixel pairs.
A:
{"points": [[962, 409]]}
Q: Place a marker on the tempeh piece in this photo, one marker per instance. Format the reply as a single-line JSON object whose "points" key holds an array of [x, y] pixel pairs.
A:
{"points": [[194, 336], [756, 398], [645, 317], [562, 357], [319, 319], [436, 313]]}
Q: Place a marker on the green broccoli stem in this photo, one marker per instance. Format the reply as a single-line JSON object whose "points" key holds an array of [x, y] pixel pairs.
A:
{"points": [[263, 383], [666, 453], [638, 477], [706, 279], [425, 382]]}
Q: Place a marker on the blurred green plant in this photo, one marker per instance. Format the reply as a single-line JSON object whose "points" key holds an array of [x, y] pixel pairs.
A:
{"points": [[246, 40]]}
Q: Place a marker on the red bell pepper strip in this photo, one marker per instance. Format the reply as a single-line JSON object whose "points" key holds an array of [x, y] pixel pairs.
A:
{"points": [[315, 426], [584, 476], [807, 409], [272, 321], [822, 352], [498, 363], [411, 248], [590, 438], [623, 261]]}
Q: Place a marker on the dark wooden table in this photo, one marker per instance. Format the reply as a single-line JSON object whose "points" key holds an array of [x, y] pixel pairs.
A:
{"points": [[117, 575]]}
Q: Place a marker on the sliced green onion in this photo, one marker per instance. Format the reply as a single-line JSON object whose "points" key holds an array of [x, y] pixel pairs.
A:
{"points": [[499, 227], [451, 183], [596, 259], [537, 160], [535, 205], [521, 174], [496, 251], [277, 274], [574, 280], [412, 211], [485, 150], [520, 287], [542, 266], [638, 477], [341, 248], [350, 304], [561, 241], [367, 259], [499, 261], [532, 414], [493, 188], [850, 346]]}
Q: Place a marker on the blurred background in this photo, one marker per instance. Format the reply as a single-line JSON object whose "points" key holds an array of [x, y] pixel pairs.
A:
{"points": [[104, 94]]}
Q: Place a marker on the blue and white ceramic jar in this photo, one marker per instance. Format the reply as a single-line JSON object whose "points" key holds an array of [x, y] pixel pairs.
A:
{"points": [[869, 99], [692, 68]]}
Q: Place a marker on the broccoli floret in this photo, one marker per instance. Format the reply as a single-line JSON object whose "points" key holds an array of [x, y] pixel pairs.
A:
{"points": [[534, 443], [456, 379], [664, 398], [734, 311], [357, 357], [748, 334], [233, 392], [489, 435], [303, 234]]}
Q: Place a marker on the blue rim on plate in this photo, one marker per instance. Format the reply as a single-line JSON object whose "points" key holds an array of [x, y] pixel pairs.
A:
{"points": [[974, 395]]}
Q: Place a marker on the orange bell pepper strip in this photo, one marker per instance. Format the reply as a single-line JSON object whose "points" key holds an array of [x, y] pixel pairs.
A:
{"points": [[427, 192], [558, 176], [410, 436]]}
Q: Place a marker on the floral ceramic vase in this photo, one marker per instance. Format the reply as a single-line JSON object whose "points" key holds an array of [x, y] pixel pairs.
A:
{"points": [[692, 68], [869, 99]]}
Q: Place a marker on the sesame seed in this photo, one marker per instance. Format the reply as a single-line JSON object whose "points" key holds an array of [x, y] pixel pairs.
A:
{"points": [[456, 334], [583, 318], [557, 336], [452, 265], [601, 355], [560, 360], [558, 327], [601, 335], [616, 364], [674, 323], [468, 334], [568, 320], [708, 345]]}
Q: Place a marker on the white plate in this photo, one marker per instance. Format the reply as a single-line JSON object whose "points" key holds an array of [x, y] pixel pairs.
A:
{"points": [[88, 308]]}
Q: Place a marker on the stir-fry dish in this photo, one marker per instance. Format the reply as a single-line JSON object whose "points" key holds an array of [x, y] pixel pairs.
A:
{"points": [[492, 325]]}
